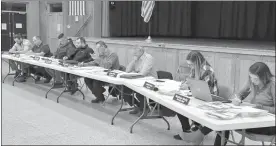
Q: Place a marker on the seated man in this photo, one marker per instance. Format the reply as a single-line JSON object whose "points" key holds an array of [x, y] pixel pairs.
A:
{"points": [[106, 59], [83, 54], [66, 50], [40, 49], [142, 63], [21, 46]]}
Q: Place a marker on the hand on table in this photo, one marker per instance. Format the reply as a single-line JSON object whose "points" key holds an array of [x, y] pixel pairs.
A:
{"points": [[184, 86], [236, 101], [65, 58]]}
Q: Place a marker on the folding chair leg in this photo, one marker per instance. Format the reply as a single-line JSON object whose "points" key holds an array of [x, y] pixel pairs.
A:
{"points": [[232, 135]]}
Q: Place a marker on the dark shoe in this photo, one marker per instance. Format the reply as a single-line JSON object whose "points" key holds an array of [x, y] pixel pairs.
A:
{"points": [[73, 91], [37, 79], [194, 128], [134, 111], [21, 79], [97, 100], [48, 80], [177, 137]]}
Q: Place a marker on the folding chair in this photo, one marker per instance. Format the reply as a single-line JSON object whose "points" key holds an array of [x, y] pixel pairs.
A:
{"points": [[256, 137], [160, 75]]}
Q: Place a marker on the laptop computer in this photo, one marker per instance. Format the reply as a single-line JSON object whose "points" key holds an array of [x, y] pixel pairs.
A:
{"points": [[200, 90]]}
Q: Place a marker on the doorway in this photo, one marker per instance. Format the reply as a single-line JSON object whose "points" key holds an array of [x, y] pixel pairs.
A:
{"points": [[13, 21]]}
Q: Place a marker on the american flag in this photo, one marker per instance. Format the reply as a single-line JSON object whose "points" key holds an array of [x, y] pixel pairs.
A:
{"points": [[146, 10], [76, 8]]}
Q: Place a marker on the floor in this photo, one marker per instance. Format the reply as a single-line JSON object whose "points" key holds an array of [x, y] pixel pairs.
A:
{"points": [[30, 119]]}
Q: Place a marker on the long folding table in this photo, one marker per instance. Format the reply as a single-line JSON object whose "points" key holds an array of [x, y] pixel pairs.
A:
{"points": [[191, 110]]}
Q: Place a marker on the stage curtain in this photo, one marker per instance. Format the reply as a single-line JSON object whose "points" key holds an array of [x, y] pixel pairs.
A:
{"points": [[246, 20]]}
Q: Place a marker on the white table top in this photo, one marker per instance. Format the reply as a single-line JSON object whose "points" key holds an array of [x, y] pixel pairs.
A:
{"points": [[86, 72], [190, 111]]}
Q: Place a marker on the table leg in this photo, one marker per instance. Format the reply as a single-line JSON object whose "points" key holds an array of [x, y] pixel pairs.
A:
{"points": [[122, 103], [9, 73], [166, 122], [60, 95], [20, 64], [222, 138], [83, 97], [142, 115]]}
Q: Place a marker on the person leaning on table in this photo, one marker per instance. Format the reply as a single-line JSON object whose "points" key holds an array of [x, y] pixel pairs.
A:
{"points": [[83, 54], [259, 90], [106, 59], [200, 69], [142, 63], [21, 46], [66, 49], [40, 49]]}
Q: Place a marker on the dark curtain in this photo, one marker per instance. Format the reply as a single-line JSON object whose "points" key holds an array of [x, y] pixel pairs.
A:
{"points": [[247, 20]]}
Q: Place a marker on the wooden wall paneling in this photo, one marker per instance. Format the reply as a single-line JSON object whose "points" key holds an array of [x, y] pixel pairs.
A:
{"points": [[270, 62], [182, 68], [171, 60], [210, 57], [121, 51], [182, 57], [158, 55], [225, 70], [242, 67], [129, 54]]}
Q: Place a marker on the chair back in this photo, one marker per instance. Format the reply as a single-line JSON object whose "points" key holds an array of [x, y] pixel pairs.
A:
{"points": [[164, 75], [122, 68]]}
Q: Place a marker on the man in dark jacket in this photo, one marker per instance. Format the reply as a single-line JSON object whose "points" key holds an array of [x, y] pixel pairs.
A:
{"points": [[66, 50], [83, 54], [40, 49]]}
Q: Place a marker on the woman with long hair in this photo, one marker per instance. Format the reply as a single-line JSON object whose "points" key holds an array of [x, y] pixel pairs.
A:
{"points": [[258, 90], [200, 70]]}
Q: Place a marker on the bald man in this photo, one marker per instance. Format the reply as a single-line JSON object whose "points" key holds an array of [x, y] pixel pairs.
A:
{"points": [[142, 63], [40, 49]]}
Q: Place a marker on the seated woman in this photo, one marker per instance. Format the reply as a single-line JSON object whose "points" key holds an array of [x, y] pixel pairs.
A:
{"points": [[261, 89], [200, 70]]}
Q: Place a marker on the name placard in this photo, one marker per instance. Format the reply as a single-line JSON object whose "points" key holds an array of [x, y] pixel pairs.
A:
{"points": [[149, 86], [36, 58], [182, 99], [112, 74]]}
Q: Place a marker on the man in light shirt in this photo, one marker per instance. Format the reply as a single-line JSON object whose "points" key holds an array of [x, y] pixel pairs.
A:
{"points": [[142, 63], [21, 46]]}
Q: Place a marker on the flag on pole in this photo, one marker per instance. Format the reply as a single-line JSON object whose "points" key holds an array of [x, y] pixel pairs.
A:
{"points": [[146, 10], [76, 8]]}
